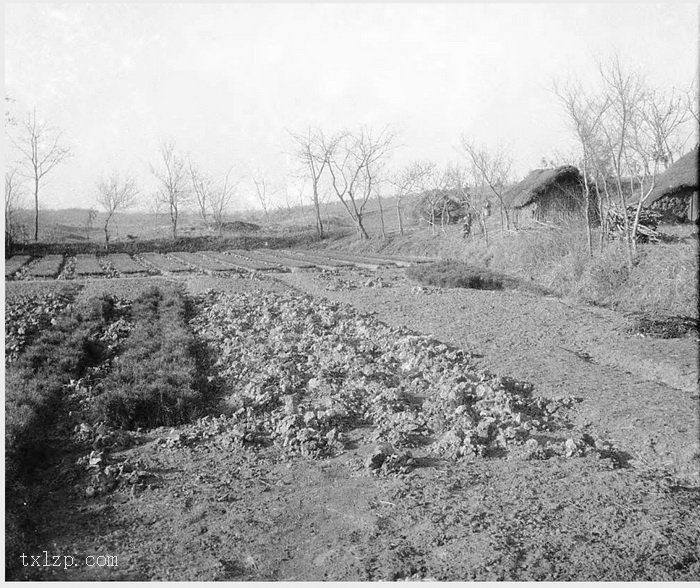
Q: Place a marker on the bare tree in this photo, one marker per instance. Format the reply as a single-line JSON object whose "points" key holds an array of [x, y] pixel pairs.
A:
{"points": [[353, 165], [262, 192], [41, 151], [664, 114], [493, 168], [172, 177], [585, 116], [693, 102], [459, 178], [201, 188], [436, 203], [221, 197], [407, 180], [115, 193], [313, 153], [90, 222], [624, 90], [14, 194]]}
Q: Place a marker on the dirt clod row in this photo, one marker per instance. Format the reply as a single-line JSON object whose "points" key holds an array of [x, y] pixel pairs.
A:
{"points": [[300, 374]]}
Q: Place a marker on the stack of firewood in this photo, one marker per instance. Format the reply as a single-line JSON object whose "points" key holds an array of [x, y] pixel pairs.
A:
{"points": [[646, 229]]}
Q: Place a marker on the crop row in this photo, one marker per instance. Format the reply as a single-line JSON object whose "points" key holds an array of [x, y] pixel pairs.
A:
{"points": [[153, 382], [14, 263], [244, 260], [88, 265], [163, 263], [46, 267], [27, 315], [35, 379], [124, 264], [304, 372], [36, 385], [202, 261]]}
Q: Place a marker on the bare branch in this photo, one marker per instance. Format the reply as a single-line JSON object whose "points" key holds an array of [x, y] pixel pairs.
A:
{"points": [[172, 177], [40, 150], [115, 193]]}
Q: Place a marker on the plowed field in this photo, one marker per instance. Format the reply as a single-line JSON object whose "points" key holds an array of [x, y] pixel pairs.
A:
{"points": [[361, 427]]}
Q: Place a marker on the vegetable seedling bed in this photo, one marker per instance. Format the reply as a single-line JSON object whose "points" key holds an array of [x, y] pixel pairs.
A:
{"points": [[14, 263], [46, 267], [203, 261], [165, 264], [242, 260], [124, 264], [88, 265]]}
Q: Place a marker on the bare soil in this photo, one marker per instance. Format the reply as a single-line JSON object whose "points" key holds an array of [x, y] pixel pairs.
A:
{"points": [[204, 509]]}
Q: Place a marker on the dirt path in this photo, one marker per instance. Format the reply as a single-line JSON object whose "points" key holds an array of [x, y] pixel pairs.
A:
{"points": [[640, 393], [207, 510]]}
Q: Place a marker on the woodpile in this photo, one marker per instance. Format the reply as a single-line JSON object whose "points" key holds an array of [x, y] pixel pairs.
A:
{"points": [[646, 229]]}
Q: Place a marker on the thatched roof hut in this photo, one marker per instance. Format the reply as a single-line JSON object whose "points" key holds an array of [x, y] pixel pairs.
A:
{"points": [[676, 189], [537, 183], [548, 193]]}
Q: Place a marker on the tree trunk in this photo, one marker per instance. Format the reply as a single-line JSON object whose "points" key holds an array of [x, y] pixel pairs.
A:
{"points": [[381, 215], [36, 208], [589, 237], [317, 207], [173, 219], [107, 234], [628, 239], [400, 218], [361, 228], [587, 196]]}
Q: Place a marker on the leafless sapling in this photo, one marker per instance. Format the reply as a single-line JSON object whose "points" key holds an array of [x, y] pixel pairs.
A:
{"points": [[115, 193], [173, 189], [41, 151]]}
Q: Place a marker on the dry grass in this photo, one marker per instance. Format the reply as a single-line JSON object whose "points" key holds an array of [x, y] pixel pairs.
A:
{"points": [[455, 274], [662, 283]]}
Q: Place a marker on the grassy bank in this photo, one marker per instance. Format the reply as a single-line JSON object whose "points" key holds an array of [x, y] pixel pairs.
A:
{"points": [[663, 280]]}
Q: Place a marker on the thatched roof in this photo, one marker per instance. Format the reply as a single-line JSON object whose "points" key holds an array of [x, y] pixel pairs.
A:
{"points": [[681, 175], [537, 183]]}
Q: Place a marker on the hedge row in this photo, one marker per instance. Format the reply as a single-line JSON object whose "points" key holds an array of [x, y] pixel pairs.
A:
{"points": [[191, 244]]}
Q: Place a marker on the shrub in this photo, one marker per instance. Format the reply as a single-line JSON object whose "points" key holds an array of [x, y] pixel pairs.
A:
{"points": [[455, 274]]}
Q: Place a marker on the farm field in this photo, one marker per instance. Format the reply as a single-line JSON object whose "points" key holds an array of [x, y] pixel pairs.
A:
{"points": [[349, 424], [45, 267], [125, 265], [202, 261], [162, 262], [87, 265], [14, 263]]}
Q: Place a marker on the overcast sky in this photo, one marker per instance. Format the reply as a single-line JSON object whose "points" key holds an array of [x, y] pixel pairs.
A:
{"points": [[226, 81]]}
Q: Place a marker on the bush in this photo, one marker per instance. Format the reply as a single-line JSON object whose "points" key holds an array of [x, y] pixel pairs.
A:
{"points": [[455, 274], [154, 381]]}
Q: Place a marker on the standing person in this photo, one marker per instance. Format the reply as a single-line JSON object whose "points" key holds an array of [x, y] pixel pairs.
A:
{"points": [[467, 228]]}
